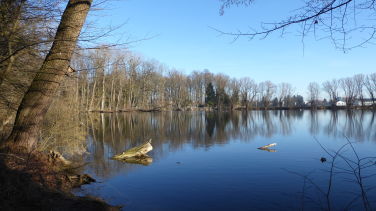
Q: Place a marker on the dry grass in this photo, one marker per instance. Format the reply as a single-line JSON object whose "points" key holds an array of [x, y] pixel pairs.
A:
{"points": [[64, 129]]}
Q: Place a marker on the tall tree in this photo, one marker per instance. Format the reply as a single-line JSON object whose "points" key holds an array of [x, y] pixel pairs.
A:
{"points": [[370, 85], [349, 88], [331, 87], [210, 99], [46, 82], [248, 91], [24, 39], [359, 81], [235, 92], [313, 93], [267, 91], [284, 90]]}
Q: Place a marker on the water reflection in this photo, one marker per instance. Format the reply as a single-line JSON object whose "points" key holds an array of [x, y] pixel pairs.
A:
{"points": [[144, 160], [267, 149], [214, 156], [357, 125], [113, 133]]}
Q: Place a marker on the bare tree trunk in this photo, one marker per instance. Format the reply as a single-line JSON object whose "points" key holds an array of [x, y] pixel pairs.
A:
{"points": [[93, 94], [11, 91], [46, 82], [119, 95], [112, 94], [84, 94], [130, 92], [103, 91], [10, 40], [87, 94], [77, 93]]}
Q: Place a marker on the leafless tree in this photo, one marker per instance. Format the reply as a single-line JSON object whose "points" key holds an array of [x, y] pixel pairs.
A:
{"points": [[229, 3], [359, 81], [39, 96], [370, 84], [345, 22], [221, 82], [313, 93], [267, 91], [198, 81], [285, 90], [331, 87], [248, 91], [349, 88], [177, 89], [25, 37]]}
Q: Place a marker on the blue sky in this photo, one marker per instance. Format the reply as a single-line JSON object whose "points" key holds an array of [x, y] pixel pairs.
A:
{"points": [[184, 40]]}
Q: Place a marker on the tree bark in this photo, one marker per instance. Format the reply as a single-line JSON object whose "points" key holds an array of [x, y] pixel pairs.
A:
{"points": [[93, 94], [119, 97], [46, 82], [103, 90], [112, 95]]}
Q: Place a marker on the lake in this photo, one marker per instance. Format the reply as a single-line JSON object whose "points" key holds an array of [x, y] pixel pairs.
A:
{"points": [[211, 160]]}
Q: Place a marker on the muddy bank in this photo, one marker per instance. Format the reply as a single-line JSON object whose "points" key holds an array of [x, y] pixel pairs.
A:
{"points": [[37, 182]]}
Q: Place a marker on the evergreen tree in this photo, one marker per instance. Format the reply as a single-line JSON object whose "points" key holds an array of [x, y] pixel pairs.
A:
{"points": [[210, 98]]}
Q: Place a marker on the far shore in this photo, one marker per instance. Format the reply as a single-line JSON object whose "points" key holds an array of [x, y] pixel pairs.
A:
{"points": [[239, 108]]}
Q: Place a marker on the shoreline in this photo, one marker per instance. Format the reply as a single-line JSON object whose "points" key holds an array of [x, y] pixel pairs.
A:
{"points": [[31, 181], [331, 108]]}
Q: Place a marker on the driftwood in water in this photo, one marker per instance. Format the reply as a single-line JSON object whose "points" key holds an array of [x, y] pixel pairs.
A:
{"points": [[267, 146], [102, 111], [268, 150], [143, 160], [149, 110], [138, 151], [127, 110]]}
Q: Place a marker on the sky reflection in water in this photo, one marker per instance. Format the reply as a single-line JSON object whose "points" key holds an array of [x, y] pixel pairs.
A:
{"points": [[207, 161]]}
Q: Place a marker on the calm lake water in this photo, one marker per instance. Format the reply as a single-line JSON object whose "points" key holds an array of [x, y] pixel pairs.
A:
{"points": [[210, 161]]}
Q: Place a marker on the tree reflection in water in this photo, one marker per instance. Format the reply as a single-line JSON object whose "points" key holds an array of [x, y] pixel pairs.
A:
{"points": [[110, 134]]}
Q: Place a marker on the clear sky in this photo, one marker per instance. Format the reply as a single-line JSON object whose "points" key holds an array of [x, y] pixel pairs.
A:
{"points": [[184, 40]]}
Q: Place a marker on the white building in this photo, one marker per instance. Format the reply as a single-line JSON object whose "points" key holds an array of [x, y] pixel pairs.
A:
{"points": [[368, 103], [340, 103]]}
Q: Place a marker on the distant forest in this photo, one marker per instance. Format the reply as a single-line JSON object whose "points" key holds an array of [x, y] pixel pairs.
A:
{"points": [[110, 80]]}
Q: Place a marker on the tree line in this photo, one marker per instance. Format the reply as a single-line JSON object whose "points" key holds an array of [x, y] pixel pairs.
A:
{"points": [[110, 80], [113, 81], [358, 87]]}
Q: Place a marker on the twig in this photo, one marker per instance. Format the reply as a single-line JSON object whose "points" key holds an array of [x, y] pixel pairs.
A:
{"points": [[11, 155]]}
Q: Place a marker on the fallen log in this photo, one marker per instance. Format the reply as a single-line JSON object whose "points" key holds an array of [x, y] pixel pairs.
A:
{"points": [[268, 150], [267, 146], [149, 110], [101, 111], [127, 110], [138, 151], [142, 160]]}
